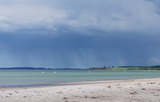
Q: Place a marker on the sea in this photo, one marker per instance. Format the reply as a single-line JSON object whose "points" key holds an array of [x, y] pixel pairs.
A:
{"points": [[21, 78]]}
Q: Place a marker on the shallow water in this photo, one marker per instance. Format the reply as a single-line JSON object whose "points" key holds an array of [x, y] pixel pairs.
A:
{"points": [[46, 77]]}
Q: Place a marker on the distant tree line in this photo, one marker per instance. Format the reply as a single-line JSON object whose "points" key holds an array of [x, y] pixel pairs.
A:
{"points": [[157, 67], [101, 68]]}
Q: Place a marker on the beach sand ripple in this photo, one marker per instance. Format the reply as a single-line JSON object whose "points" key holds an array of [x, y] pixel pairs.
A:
{"points": [[139, 90]]}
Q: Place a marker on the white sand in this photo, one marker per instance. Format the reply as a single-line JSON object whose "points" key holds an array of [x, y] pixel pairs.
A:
{"points": [[142, 90]]}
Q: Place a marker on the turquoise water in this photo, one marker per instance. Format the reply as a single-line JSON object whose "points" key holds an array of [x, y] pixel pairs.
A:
{"points": [[46, 77]]}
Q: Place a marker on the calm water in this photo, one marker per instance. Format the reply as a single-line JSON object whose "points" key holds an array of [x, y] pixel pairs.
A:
{"points": [[42, 77]]}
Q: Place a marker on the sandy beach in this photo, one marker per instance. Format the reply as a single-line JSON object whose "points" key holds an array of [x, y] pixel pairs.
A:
{"points": [[138, 90]]}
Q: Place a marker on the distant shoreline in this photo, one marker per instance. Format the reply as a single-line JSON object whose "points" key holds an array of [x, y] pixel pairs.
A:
{"points": [[33, 68], [110, 68]]}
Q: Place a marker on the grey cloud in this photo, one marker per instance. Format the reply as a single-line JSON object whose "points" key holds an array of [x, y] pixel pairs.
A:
{"points": [[106, 15], [110, 15]]}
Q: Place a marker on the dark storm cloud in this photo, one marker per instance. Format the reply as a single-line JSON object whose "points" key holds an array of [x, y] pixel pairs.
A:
{"points": [[71, 49], [77, 33]]}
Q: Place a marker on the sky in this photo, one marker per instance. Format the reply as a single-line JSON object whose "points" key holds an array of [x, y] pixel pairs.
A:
{"points": [[79, 33]]}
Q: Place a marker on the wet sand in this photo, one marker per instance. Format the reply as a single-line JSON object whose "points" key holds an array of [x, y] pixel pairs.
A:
{"points": [[138, 90]]}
